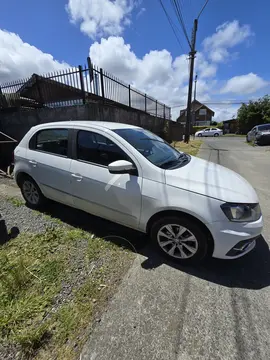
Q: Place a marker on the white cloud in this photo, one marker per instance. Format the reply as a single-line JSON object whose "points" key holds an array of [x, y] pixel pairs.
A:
{"points": [[244, 84], [156, 73], [101, 17], [227, 36], [19, 59], [140, 13]]}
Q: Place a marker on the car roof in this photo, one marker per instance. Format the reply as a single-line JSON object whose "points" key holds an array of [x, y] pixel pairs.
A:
{"points": [[96, 124]]}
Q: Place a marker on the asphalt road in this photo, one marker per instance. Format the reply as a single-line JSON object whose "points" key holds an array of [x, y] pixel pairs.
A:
{"points": [[217, 311]]}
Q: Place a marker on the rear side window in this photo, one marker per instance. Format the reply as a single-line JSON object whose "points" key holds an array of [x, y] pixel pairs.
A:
{"points": [[98, 149], [53, 141]]}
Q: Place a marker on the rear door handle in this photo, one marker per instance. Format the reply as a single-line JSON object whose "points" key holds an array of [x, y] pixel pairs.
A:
{"points": [[33, 162], [78, 177]]}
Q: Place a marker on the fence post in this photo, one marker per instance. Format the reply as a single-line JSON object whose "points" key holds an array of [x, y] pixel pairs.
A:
{"points": [[102, 83], [82, 83], [145, 103], [39, 90], [164, 111], [91, 72], [129, 96], [156, 108]]}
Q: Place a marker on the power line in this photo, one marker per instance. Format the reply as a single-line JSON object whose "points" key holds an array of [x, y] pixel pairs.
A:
{"points": [[177, 9], [172, 24], [225, 103]]}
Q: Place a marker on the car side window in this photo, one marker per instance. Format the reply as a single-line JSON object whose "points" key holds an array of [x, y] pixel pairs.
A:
{"points": [[206, 129], [53, 141], [98, 149]]}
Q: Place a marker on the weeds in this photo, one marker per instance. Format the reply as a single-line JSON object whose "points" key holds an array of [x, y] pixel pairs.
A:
{"points": [[33, 269], [16, 201]]}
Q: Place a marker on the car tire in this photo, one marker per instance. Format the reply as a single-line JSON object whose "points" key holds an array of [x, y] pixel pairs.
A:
{"points": [[181, 250], [31, 192], [216, 134], [199, 135]]}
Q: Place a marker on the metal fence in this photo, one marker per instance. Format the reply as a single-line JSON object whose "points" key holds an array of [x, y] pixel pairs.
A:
{"points": [[76, 86]]}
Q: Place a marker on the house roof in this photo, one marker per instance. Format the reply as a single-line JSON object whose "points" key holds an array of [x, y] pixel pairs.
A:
{"points": [[197, 105]]}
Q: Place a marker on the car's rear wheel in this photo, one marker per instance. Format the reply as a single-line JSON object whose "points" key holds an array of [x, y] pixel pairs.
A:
{"points": [[180, 239], [31, 192], [216, 134]]}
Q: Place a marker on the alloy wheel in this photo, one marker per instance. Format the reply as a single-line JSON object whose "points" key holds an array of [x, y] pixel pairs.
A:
{"points": [[177, 241], [30, 192]]}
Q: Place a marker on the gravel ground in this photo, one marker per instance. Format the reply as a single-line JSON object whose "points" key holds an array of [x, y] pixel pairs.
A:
{"points": [[25, 219]]}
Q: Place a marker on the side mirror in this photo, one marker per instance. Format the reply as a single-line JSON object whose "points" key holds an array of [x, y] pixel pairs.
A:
{"points": [[121, 167]]}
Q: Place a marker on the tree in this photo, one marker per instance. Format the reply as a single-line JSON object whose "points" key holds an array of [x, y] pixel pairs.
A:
{"points": [[213, 123], [253, 113]]}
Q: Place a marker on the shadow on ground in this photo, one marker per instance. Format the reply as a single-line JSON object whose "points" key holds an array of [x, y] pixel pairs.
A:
{"points": [[251, 271]]}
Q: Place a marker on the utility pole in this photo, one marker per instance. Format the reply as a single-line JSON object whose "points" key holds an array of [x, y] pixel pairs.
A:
{"points": [[192, 54], [195, 89], [192, 58]]}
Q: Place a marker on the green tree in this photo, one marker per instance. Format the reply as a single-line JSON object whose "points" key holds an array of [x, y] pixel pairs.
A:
{"points": [[254, 113]]}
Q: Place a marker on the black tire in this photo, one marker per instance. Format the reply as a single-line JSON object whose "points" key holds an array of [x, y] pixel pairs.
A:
{"points": [[192, 227], [216, 134], [199, 135], [40, 199], [247, 139]]}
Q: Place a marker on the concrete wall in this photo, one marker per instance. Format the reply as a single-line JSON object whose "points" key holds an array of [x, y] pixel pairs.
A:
{"points": [[16, 124]]}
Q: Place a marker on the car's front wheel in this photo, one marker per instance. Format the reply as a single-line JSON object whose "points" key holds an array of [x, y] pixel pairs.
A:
{"points": [[31, 192], [200, 135], [180, 238], [216, 134]]}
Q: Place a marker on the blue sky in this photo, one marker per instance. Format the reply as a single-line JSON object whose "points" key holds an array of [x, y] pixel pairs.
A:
{"points": [[232, 64]]}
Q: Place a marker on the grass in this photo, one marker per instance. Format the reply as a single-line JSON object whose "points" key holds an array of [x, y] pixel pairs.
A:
{"points": [[234, 135], [33, 271], [15, 201], [191, 148]]}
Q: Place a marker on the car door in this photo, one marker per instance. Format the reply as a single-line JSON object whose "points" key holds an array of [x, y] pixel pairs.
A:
{"points": [[116, 197], [206, 132], [48, 156]]}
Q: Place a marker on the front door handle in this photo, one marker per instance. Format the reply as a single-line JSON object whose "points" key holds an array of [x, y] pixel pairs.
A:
{"points": [[78, 177]]}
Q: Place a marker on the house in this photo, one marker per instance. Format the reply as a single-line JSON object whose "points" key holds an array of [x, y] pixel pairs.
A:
{"points": [[230, 126], [201, 114]]}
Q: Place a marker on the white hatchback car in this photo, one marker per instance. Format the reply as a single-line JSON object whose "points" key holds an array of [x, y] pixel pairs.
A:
{"points": [[209, 132], [189, 207]]}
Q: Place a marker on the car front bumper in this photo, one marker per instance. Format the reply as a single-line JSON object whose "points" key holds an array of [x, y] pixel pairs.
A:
{"points": [[233, 240], [263, 139]]}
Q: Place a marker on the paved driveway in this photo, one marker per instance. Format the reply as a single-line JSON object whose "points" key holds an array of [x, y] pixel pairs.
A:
{"points": [[217, 311]]}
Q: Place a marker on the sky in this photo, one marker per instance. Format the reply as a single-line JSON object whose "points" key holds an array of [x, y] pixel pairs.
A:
{"points": [[133, 40]]}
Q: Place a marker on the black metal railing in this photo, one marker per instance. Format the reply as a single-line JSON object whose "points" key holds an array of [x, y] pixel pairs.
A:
{"points": [[77, 85]]}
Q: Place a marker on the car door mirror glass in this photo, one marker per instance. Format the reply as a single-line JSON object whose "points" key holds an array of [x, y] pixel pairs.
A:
{"points": [[121, 167]]}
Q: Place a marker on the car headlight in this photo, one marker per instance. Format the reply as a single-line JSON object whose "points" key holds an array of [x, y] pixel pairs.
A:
{"points": [[242, 212]]}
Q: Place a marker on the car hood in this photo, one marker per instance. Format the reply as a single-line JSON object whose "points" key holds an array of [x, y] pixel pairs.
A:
{"points": [[265, 132], [213, 180]]}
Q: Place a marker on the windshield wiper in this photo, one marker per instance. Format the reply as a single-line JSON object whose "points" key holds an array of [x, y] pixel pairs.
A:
{"points": [[181, 156]]}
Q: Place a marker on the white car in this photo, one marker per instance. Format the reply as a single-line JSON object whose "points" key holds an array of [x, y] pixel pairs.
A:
{"points": [[189, 207], [209, 132]]}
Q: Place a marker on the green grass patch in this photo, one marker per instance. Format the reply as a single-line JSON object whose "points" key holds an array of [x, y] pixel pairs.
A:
{"points": [[33, 269], [16, 201], [234, 135], [191, 148]]}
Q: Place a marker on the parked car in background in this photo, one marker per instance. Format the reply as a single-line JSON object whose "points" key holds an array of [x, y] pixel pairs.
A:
{"points": [[209, 132], [260, 134], [188, 206]]}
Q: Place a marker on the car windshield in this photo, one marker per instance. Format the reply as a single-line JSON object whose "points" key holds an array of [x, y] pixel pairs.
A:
{"points": [[264, 127], [153, 148]]}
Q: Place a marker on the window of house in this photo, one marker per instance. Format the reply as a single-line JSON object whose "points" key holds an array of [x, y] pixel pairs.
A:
{"points": [[53, 141], [98, 149], [202, 112]]}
